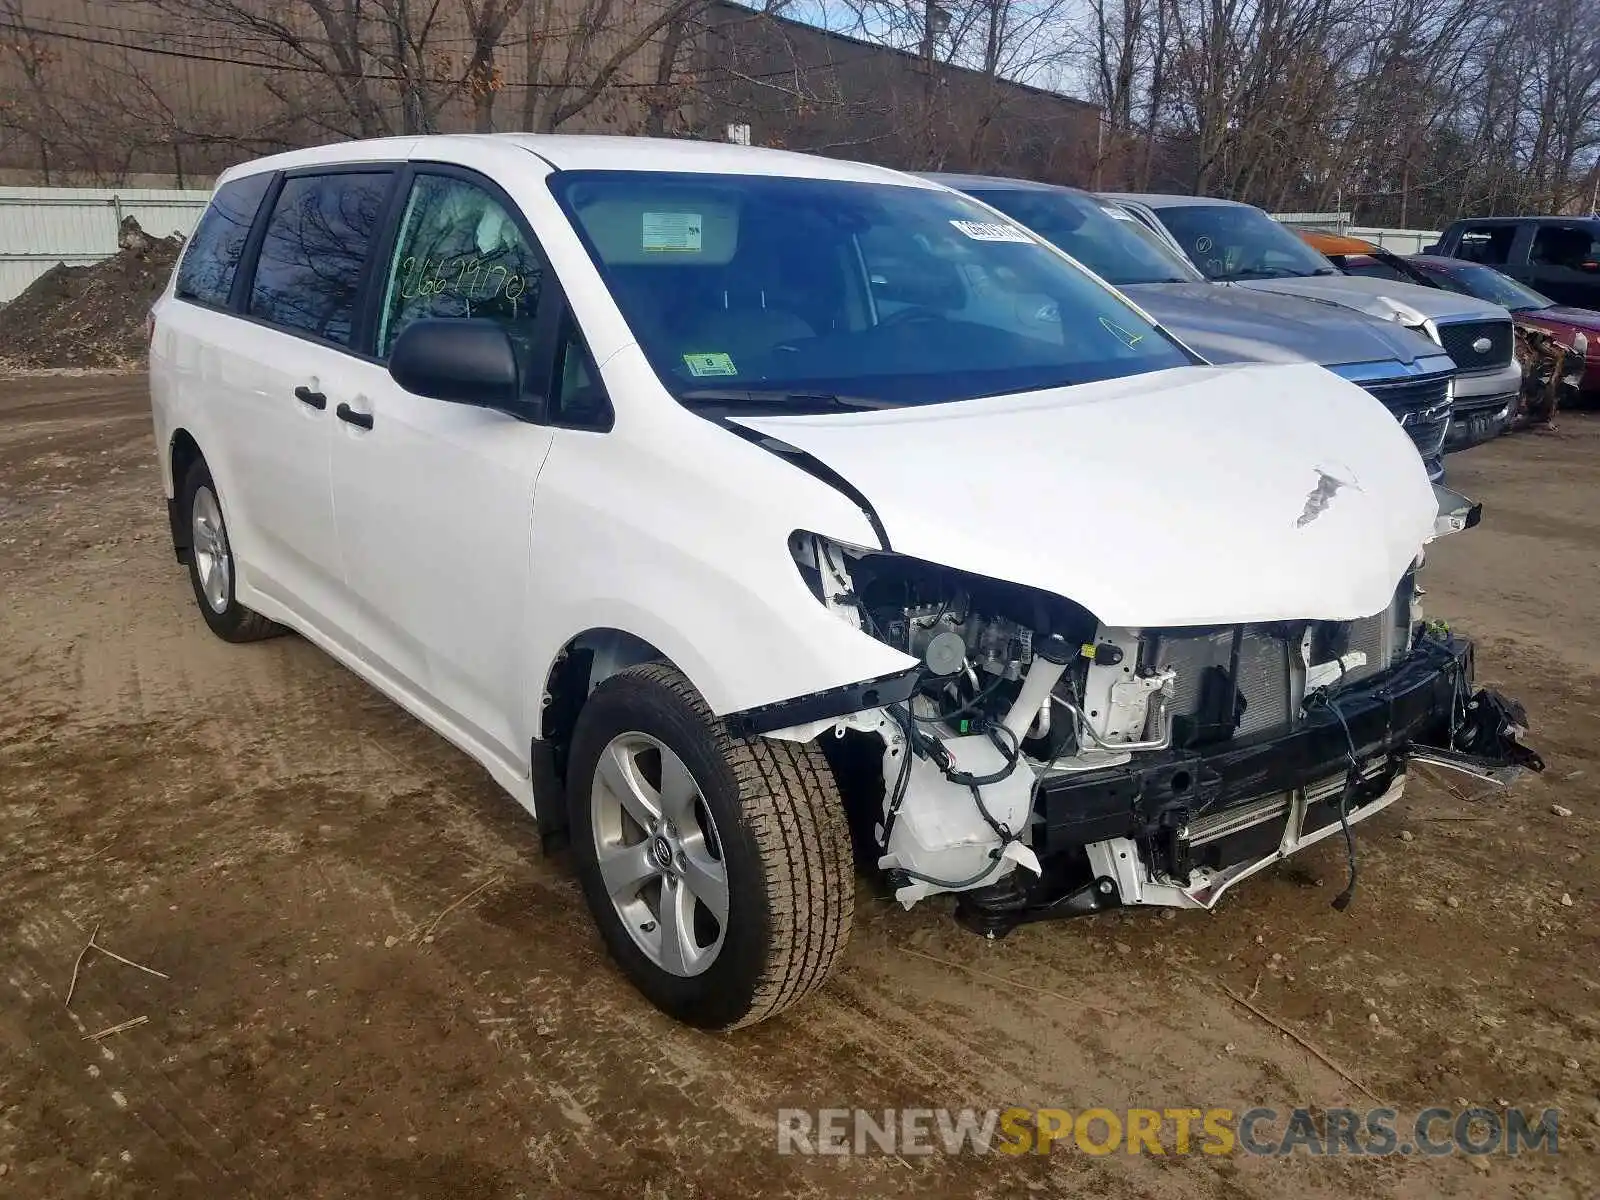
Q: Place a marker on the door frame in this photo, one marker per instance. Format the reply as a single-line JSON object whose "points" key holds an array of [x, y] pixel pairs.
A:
{"points": [[549, 315]]}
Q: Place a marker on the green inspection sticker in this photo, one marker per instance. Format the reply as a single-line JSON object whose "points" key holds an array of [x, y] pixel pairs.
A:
{"points": [[701, 365]]}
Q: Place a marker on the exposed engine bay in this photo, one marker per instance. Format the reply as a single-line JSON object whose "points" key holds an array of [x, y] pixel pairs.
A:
{"points": [[1552, 374], [1043, 764]]}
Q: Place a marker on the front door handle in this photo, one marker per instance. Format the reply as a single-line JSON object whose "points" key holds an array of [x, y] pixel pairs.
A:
{"points": [[350, 416], [306, 396]]}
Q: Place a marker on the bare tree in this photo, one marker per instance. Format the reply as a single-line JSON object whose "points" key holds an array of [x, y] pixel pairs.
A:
{"points": [[604, 44], [374, 67], [26, 109], [1409, 111]]}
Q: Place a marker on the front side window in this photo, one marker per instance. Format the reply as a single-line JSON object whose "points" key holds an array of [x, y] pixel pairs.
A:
{"points": [[1233, 241], [1487, 243], [577, 399], [212, 258], [308, 276], [1373, 268], [1103, 237], [1569, 246], [460, 254], [810, 293]]}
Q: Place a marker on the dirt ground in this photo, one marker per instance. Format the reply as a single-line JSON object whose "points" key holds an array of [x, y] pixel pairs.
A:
{"points": [[278, 840]]}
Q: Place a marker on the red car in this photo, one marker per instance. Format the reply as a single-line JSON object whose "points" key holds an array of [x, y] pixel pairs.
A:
{"points": [[1474, 279]]}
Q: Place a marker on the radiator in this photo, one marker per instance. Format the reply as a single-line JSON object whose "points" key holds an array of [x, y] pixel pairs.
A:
{"points": [[1264, 679]]}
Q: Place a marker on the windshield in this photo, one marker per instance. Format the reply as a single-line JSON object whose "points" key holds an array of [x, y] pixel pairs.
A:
{"points": [[814, 294], [1230, 242], [1104, 238], [1487, 284]]}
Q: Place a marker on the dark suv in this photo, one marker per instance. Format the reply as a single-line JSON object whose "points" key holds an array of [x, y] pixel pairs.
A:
{"points": [[1558, 256]]}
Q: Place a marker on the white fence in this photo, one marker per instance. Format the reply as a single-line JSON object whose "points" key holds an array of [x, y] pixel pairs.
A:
{"points": [[1396, 241], [1321, 222], [40, 227]]}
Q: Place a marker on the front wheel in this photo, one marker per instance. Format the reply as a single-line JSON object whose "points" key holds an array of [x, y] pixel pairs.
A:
{"points": [[719, 871]]}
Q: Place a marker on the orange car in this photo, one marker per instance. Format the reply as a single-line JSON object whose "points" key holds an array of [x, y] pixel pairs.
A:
{"points": [[1334, 245]]}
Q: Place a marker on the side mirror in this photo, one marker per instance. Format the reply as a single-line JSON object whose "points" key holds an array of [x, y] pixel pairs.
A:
{"points": [[468, 361], [1433, 249]]}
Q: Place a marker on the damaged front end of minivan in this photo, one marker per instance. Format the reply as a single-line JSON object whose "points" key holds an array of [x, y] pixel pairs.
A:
{"points": [[1041, 764]]}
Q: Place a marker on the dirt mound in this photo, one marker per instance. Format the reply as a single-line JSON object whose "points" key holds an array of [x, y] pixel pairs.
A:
{"points": [[89, 316]]}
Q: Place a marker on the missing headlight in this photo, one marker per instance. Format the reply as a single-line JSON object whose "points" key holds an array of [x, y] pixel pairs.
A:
{"points": [[977, 637]]}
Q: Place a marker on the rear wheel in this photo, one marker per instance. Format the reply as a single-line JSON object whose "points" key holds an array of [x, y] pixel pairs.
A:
{"points": [[211, 564], [719, 871]]}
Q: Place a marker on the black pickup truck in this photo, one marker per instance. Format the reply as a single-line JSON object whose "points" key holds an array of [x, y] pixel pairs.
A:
{"points": [[1558, 256]]}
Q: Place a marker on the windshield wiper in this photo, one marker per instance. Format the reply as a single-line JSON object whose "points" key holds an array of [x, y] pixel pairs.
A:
{"points": [[1327, 271], [798, 400], [1256, 273]]}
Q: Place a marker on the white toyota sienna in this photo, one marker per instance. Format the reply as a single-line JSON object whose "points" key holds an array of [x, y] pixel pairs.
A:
{"points": [[750, 516]]}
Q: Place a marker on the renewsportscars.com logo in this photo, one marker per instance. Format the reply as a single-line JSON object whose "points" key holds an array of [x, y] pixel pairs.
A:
{"points": [[1266, 1132]]}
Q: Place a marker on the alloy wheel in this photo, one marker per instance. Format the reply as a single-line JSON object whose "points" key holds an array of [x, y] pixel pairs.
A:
{"points": [[659, 854], [209, 539]]}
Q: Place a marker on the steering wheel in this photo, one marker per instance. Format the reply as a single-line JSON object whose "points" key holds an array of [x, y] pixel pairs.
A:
{"points": [[915, 315]]}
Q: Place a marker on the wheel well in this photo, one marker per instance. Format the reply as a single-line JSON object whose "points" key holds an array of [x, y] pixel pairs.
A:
{"points": [[584, 663], [185, 452]]}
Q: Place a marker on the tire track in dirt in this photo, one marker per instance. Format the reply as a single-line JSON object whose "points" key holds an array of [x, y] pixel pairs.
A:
{"points": [[261, 824], [130, 1071]]}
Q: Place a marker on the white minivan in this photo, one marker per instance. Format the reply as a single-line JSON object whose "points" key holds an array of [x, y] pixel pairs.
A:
{"points": [[748, 515]]}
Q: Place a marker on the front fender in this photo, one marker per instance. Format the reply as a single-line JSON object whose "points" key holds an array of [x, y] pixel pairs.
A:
{"points": [[680, 537]]}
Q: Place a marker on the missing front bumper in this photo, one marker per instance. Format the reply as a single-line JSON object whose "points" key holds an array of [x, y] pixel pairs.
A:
{"points": [[1182, 827]]}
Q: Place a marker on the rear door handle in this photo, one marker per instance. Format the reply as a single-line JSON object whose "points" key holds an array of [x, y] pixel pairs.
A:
{"points": [[306, 396], [350, 416]]}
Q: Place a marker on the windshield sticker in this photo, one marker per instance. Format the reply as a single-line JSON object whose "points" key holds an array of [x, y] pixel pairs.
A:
{"points": [[1129, 339], [984, 231], [701, 365], [672, 233]]}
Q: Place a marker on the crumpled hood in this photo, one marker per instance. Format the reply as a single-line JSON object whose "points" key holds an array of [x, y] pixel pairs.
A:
{"points": [[1562, 317], [1372, 296], [1196, 496], [1581, 318], [1227, 324]]}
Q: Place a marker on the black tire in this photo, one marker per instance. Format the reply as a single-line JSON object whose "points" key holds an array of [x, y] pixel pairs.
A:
{"points": [[784, 845], [233, 622]]}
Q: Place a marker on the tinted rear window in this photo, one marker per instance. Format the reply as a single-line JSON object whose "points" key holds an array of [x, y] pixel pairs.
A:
{"points": [[212, 258], [316, 247], [1487, 243]]}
